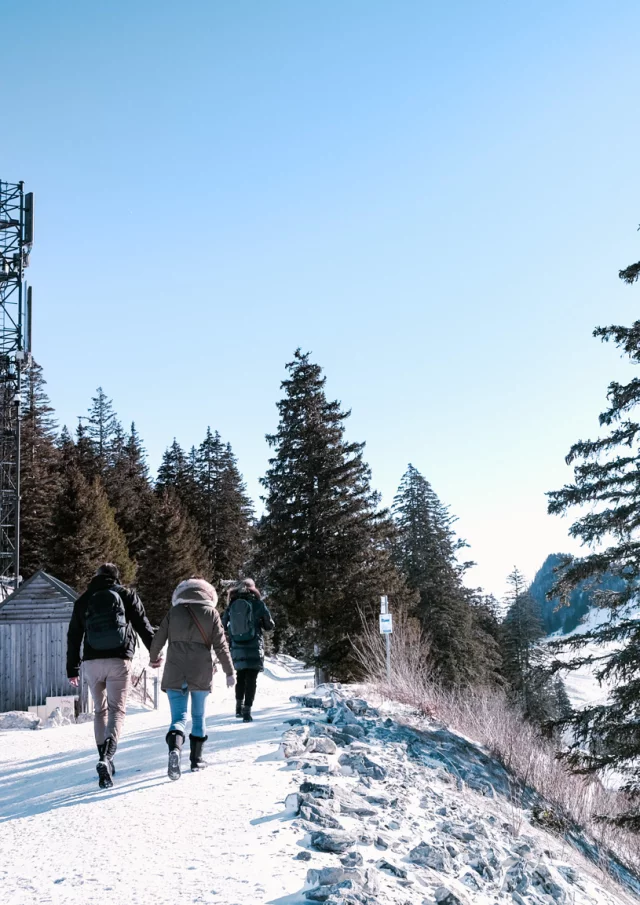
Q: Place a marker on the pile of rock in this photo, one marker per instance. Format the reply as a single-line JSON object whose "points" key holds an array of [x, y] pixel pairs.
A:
{"points": [[396, 815]]}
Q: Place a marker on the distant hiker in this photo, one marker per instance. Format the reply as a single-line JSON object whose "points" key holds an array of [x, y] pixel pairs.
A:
{"points": [[192, 627], [106, 617], [244, 619]]}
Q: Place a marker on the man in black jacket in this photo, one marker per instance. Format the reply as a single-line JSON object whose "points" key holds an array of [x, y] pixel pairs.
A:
{"points": [[106, 618]]}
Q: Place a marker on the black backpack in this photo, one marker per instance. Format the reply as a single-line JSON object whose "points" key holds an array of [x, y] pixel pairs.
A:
{"points": [[105, 620], [242, 625]]}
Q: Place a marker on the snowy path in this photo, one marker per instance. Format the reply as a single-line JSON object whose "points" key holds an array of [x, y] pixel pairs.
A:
{"points": [[214, 837]]}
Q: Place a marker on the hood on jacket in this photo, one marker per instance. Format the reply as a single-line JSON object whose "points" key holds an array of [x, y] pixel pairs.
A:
{"points": [[194, 590]]}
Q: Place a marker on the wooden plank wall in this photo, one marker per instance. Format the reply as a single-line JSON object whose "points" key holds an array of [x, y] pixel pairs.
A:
{"points": [[32, 663]]}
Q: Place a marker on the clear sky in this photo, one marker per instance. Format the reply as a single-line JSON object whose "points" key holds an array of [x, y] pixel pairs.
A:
{"points": [[433, 198]]}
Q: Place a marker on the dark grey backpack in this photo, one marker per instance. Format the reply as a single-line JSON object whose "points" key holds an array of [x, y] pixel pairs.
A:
{"points": [[242, 626], [105, 620]]}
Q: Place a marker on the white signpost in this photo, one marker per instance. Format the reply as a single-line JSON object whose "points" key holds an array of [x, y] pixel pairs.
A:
{"points": [[386, 629]]}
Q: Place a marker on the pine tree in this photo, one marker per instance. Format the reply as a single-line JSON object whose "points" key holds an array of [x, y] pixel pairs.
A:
{"points": [[178, 475], [236, 518], [426, 549], [523, 630], [103, 430], [84, 531], [323, 545], [607, 481], [129, 489], [173, 553], [224, 510], [39, 472]]}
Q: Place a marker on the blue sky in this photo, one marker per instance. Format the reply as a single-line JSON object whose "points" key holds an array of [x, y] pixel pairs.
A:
{"points": [[435, 199]]}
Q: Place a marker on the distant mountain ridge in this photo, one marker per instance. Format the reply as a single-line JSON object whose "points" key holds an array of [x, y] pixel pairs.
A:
{"points": [[566, 618]]}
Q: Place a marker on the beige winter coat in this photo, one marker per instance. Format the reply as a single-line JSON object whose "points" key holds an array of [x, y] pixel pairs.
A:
{"points": [[189, 659]]}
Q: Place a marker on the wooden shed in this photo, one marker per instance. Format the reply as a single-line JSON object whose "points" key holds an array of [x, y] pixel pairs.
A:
{"points": [[33, 642]]}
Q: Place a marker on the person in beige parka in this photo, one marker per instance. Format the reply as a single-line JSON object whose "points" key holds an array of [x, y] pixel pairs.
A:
{"points": [[192, 628]]}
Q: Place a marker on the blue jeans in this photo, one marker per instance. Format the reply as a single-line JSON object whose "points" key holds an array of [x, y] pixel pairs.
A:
{"points": [[179, 703]]}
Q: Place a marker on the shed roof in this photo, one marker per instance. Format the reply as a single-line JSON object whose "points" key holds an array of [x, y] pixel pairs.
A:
{"points": [[41, 598]]}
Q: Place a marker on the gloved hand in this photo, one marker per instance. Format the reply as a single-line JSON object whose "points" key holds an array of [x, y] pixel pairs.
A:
{"points": [[231, 681]]}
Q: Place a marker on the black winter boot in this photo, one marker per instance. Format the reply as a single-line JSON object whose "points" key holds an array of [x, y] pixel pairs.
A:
{"points": [[104, 766], [197, 742], [101, 755], [246, 715], [174, 740], [238, 709]]}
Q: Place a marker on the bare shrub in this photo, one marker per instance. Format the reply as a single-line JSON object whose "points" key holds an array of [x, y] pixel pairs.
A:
{"points": [[488, 717]]}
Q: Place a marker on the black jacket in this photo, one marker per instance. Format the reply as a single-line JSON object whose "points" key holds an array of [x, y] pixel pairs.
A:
{"points": [[136, 622], [250, 654]]}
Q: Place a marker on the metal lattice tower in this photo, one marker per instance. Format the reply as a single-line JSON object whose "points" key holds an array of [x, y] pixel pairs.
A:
{"points": [[16, 239]]}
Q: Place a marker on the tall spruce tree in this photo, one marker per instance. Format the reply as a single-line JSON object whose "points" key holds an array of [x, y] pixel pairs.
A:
{"points": [[607, 481], [224, 511], [84, 530], [178, 475], [523, 630], [103, 431], [323, 545], [129, 489], [426, 549], [39, 472], [173, 552]]}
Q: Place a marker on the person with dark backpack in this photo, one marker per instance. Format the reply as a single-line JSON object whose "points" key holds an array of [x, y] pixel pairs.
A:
{"points": [[245, 619], [104, 623]]}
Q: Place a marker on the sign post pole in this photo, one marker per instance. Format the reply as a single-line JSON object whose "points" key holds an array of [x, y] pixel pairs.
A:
{"points": [[386, 628]]}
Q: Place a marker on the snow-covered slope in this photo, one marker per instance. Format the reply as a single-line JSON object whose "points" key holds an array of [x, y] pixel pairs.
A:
{"points": [[581, 684]]}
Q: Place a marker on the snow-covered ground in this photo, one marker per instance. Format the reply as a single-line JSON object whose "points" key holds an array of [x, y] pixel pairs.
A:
{"points": [[582, 686], [219, 836], [351, 806]]}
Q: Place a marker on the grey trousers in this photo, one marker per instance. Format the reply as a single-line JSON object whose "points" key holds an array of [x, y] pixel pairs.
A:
{"points": [[108, 681]]}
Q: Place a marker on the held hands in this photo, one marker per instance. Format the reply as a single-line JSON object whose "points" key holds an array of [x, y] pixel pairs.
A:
{"points": [[75, 681], [231, 681], [155, 664]]}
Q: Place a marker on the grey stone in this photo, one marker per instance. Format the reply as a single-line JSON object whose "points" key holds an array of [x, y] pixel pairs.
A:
{"points": [[349, 732], [471, 881], [381, 842], [444, 896], [352, 859], [321, 816], [427, 856], [303, 856], [317, 789], [358, 808], [357, 705], [311, 701], [381, 800], [392, 869], [334, 842], [362, 764], [322, 745], [323, 893], [542, 877]]}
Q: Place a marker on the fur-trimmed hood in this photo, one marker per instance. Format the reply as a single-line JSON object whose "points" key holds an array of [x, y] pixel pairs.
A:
{"points": [[195, 590]]}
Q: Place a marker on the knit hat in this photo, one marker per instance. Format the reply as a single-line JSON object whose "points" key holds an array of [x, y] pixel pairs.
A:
{"points": [[195, 590]]}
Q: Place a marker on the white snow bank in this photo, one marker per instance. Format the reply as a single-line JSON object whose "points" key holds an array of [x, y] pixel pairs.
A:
{"points": [[18, 719]]}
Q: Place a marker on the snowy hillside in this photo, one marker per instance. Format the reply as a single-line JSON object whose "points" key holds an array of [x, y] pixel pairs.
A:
{"points": [[321, 799], [582, 686]]}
